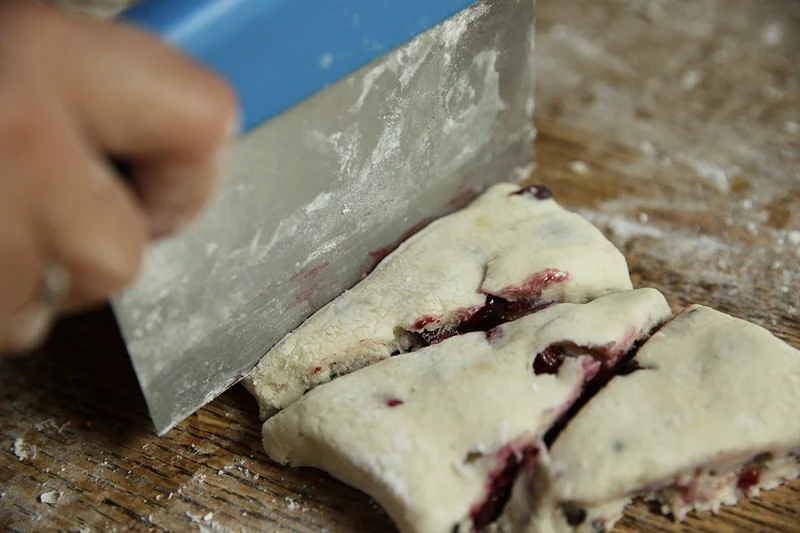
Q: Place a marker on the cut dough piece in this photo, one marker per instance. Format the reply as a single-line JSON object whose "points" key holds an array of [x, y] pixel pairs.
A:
{"points": [[438, 436], [511, 251], [712, 416]]}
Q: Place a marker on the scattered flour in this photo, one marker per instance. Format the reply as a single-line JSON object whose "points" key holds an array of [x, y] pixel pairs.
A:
{"points": [[291, 504], [718, 175], [772, 34], [579, 167], [22, 450], [205, 523], [646, 148], [623, 228], [691, 79], [50, 497]]}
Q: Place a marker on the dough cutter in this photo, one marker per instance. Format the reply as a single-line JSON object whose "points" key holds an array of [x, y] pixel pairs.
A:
{"points": [[362, 121]]}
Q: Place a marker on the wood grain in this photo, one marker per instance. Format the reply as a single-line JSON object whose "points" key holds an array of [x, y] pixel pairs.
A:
{"points": [[671, 125]]}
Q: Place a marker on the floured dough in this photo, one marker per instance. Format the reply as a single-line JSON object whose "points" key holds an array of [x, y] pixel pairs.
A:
{"points": [[712, 415], [516, 244], [437, 436]]}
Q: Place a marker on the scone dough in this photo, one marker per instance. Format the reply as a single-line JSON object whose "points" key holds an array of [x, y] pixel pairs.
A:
{"points": [[516, 244], [713, 415], [437, 436]]}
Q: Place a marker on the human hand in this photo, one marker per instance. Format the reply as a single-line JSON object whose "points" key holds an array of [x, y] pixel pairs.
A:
{"points": [[75, 92]]}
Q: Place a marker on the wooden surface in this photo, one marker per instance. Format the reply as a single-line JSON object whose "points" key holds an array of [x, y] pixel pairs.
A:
{"points": [[671, 124]]}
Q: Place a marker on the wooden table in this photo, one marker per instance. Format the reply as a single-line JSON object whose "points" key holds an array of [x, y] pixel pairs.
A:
{"points": [[672, 125]]}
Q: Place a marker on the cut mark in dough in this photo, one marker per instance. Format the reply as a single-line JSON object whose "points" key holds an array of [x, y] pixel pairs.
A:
{"points": [[510, 304], [702, 415], [618, 367], [558, 438], [511, 252], [459, 422]]}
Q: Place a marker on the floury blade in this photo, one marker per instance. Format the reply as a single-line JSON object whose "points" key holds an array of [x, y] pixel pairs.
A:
{"points": [[314, 197]]}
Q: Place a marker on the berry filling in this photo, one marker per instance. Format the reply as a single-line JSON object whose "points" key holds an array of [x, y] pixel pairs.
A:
{"points": [[497, 311], [422, 322], [549, 360], [512, 303], [748, 479], [627, 367], [613, 359], [393, 402], [494, 312], [573, 513], [510, 461], [539, 192]]}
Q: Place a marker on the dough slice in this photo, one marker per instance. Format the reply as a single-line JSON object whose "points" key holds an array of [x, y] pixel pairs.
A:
{"points": [[511, 251], [711, 416], [439, 435]]}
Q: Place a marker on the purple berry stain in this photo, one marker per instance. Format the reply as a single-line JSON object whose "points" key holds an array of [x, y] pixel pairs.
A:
{"points": [[510, 462], [748, 479], [549, 360], [539, 192]]}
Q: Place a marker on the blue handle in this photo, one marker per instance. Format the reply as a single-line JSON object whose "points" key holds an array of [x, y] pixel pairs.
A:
{"points": [[276, 53]]}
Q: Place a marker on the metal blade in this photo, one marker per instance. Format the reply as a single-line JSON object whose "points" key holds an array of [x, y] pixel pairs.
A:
{"points": [[316, 196]]}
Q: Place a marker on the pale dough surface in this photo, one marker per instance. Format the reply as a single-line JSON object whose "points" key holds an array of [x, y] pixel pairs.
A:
{"points": [[713, 388], [422, 432], [494, 246]]}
